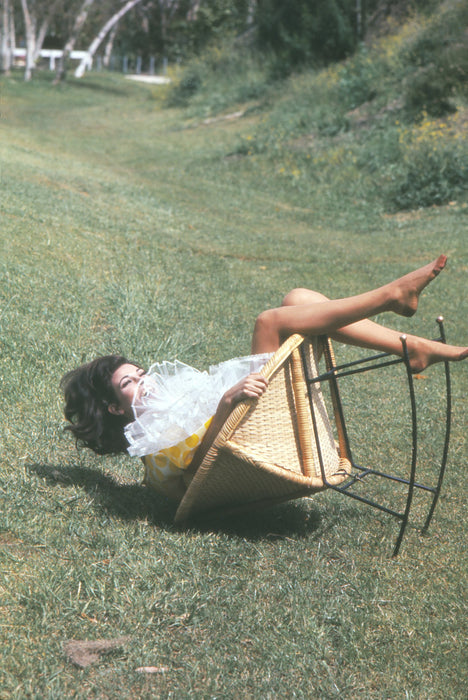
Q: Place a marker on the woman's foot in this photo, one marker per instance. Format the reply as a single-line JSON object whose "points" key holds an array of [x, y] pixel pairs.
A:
{"points": [[423, 353], [405, 291]]}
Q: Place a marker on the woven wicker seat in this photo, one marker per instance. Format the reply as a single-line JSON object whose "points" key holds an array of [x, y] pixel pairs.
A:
{"points": [[283, 445], [267, 451]]}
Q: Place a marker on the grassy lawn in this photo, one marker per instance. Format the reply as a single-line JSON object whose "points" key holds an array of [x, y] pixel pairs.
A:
{"points": [[129, 227]]}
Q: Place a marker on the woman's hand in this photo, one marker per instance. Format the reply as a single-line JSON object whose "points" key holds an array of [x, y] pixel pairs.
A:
{"points": [[251, 387]]}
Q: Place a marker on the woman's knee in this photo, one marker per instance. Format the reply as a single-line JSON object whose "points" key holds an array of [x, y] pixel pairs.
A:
{"points": [[266, 336], [265, 320], [300, 296]]}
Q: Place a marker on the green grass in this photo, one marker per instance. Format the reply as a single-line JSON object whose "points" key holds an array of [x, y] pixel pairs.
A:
{"points": [[130, 227]]}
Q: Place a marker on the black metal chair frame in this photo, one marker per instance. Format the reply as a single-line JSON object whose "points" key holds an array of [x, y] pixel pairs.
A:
{"points": [[335, 372]]}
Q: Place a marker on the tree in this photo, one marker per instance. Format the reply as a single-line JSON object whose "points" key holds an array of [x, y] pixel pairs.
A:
{"points": [[80, 19], [37, 15], [30, 31], [307, 31], [79, 72], [110, 45], [6, 36]]}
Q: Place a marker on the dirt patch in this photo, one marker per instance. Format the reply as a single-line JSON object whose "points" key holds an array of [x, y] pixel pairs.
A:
{"points": [[84, 653]]}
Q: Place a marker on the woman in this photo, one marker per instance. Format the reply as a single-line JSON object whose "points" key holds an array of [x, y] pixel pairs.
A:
{"points": [[114, 405]]}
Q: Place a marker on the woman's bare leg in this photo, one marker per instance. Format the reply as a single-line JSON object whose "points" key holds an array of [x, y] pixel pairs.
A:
{"points": [[363, 334], [371, 335], [305, 311]]}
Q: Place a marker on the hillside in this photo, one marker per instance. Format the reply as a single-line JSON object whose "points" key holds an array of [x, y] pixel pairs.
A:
{"points": [[131, 226]]}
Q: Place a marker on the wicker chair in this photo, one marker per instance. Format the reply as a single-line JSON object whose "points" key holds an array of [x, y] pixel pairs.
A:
{"points": [[282, 446]]}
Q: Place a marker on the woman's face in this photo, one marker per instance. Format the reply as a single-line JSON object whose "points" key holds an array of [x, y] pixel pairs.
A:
{"points": [[126, 384]]}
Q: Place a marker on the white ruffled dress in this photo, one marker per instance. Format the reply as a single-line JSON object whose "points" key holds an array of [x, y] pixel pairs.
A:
{"points": [[174, 411]]}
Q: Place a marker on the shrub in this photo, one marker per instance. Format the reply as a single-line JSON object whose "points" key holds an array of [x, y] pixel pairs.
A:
{"points": [[181, 92], [429, 91], [224, 76], [433, 169], [437, 62], [358, 79], [302, 32]]}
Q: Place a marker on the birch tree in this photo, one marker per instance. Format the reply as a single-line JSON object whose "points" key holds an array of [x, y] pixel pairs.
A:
{"points": [[80, 19], [30, 32], [6, 37], [110, 45], [37, 15], [193, 10], [93, 47]]}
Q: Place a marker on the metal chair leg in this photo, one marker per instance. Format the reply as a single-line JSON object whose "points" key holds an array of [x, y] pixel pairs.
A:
{"points": [[414, 448], [333, 373], [448, 422]]}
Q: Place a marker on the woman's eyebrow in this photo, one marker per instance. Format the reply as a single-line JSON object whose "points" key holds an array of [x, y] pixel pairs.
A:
{"points": [[127, 376]]}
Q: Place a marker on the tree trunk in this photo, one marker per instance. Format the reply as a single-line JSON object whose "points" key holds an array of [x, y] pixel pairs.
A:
{"points": [[109, 46], [50, 11], [11, 20], [93, 47], [80, 19], [6, 47], [192, 13], [41, 35], [359, 22], [30, 31]]}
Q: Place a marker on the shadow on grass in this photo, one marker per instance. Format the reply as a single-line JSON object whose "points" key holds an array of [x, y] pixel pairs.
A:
{"points": [[100, 86], [296, 518], [104, 85], [137, 502], [276, 523], [126, 501]]}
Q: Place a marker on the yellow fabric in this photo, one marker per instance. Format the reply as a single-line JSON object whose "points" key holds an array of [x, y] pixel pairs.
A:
{"points": [[163, 468]]}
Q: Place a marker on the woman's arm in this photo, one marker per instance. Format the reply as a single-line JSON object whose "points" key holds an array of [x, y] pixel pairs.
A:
{"points": [[251, 387]]}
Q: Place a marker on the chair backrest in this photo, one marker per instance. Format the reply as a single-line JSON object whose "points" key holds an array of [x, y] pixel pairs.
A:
{"points": [[267, 450]]}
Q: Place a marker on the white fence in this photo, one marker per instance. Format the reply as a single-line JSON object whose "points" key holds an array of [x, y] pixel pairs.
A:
{"points": [[53, 54]]}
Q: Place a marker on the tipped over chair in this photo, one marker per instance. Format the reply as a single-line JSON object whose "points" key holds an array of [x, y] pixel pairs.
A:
{"points": [[284, 446]]}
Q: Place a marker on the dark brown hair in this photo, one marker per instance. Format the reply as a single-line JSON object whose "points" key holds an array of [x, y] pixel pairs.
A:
{"points": [[88, 392]]}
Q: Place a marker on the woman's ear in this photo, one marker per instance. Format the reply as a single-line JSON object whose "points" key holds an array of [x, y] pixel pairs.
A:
{"points": [[115, 409]]}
